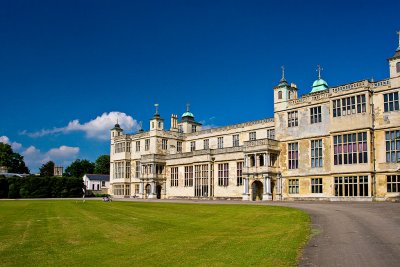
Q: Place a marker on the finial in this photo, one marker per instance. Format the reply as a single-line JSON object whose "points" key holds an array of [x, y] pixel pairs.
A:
{"points": [[283, 72], [319, 71], [140, 125], [398, 48], [187, 107], [156, 105]]}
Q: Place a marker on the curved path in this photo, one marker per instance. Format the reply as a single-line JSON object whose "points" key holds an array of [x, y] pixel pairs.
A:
{"points": [[352, 234]]}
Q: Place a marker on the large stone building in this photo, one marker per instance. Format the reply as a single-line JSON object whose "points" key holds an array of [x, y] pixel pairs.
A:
{"points": [[335, 143]]}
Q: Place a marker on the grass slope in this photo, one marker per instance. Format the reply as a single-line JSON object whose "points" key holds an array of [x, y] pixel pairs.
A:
{"points": [[94, 233]]}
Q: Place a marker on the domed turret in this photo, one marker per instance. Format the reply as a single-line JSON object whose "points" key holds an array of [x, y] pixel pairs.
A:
{"points": [[319, 84], [187, 116]]}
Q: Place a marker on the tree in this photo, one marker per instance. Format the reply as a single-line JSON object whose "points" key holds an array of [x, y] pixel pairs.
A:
{"points": [[47, 169], [102, 165], [78, 168], [13, 161]]}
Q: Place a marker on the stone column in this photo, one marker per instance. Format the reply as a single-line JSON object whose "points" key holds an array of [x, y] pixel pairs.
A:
{"points": [[246, 195], [267, 188]]}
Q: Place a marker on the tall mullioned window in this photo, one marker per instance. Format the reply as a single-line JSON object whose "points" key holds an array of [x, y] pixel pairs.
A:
{"points": [[188, 175], [271, 134], [206, 143], [128, 146], [119, 170], [393, 183], [349, 105], [223, 174], [252, 136], [128, 169], [239, 173], [147, 144], [315, 115], [174, 176], [316, 153], [293, 155], [351, 186], [119, 147], [316, 185], [350, 148], [293, 119], [220, 142], [293, 186], [392, 146], [201, 180], [193, 146], [391, 101], [179, 146], [137, 169], [164, 144], [137, 146], [235, 140]]}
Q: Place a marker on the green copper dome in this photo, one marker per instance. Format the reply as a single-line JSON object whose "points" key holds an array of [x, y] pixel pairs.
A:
{"points": [[187, 114], [319, 85]]}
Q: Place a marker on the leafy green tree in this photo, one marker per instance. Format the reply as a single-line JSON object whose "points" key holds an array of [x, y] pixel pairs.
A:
{"points": [[47, 169], [102, 165], [13, 161], [78, 168]]}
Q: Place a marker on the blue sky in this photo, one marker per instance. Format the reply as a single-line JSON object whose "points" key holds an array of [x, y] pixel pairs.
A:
{"points": [[68, 69]]}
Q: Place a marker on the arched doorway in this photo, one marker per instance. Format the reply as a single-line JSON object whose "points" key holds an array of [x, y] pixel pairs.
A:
{"points": [[158, 190], [147, 190], [256, 191]]}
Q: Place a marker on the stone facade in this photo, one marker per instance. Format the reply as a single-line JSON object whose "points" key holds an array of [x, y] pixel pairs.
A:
{"points": [[338, 143]]}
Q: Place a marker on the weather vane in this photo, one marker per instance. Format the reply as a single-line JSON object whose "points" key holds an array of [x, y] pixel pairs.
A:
{"points": [[283, 72], [156, 105], [319, 71], [187, 107]]}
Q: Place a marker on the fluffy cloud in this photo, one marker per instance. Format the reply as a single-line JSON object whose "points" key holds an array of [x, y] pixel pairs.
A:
{"points": [[14, 145], [98, 128], [62, 155]]}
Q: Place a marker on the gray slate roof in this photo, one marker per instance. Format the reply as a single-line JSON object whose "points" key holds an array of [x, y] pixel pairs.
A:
{"points": [[98, 177]]}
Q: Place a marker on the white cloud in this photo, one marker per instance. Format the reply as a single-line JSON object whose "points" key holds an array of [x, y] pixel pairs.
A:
{"points": [[62, 155], [14, 145], [98, 128]]}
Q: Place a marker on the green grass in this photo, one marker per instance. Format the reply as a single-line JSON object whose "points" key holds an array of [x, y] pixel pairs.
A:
{"points": [[94, 233]]}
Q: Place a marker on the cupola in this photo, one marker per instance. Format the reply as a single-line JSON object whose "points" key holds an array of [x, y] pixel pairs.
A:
{"points": [[319, 84]]}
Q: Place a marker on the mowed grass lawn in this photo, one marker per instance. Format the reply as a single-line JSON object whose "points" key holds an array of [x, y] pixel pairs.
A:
{"points": [[95, 233]]}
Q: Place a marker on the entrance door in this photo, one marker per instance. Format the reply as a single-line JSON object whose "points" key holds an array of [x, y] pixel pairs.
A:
{"points": [[257, 191], [147, 190], [158, 190]]}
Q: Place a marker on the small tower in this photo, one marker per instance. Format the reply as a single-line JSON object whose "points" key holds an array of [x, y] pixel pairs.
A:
{"points": [[283, 91], [116, 131], [188, 124], [156, 123], [394, 66], [319, 84]]}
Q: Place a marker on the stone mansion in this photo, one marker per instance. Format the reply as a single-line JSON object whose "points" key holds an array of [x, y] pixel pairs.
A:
{"points": [[334, 143]]}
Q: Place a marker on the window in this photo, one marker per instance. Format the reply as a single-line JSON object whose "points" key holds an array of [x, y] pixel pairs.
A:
{"points": [[127, 190], [261, 159], [194, 128], [273, 159], [398, 67], [315, 114], [347, 105], [147, 144], [280, 95], [119, 170], [252, 136], [164, 144], [316, 153], [293, 186], [271, 134], [119, 147], [128, 146], [137, 146], [391, 101], [252, 160], [174, 176], [316, 185], [192, 146], [393, 146], [292, 119], [350, 148], [188, 175], [136, 189], [235, 140], [118, 189], [351, 186], [223, 174], [128, 169], [201, 180], [180, 129], [206, 143], [179, 146], [293, 155], [393, 183], [220, 142], [137, 170], [239, 173], [103, 183]]}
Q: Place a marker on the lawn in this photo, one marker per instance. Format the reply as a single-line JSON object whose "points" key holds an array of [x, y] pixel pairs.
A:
{"points": [[94, 233]]}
